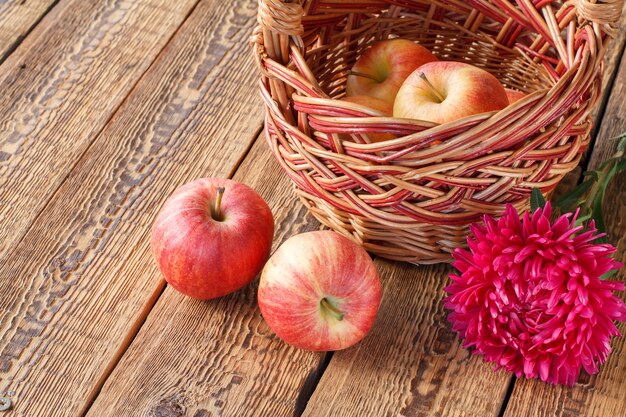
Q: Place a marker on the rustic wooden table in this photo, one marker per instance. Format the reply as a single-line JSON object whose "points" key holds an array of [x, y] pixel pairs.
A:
{"points": [[105, 108]]}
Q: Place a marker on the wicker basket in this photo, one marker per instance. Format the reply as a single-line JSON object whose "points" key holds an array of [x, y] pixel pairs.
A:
{"points": [[412, 198]]}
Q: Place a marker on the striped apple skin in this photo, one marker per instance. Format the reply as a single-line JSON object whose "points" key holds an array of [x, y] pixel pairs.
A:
{"points": [[467, 90], [205, 258], [308, 268]]}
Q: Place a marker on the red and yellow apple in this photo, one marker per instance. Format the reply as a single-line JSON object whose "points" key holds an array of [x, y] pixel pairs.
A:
{"points": [[320, 291], [514, 95], [381, 106], [445, 91], [212, 237], [382, 69]]}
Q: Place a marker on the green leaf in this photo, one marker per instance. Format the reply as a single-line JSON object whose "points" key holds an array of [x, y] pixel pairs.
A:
{"points": [[594, 174], [582, 219], [621, 145], [609, 274], [597, 213], [536, 199], [572, 199]]}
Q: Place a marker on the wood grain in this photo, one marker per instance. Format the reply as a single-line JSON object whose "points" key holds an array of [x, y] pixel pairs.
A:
{"points": [[601, 394], [60, 89], [216, 358], [80, 283], [17, 17], [611, 64], [613, 122], [411, 364]]}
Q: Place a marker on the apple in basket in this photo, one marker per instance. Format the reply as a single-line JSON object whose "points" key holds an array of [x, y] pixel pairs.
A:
{"points": [[514, 95], [380, 106], [320, 291], [385, 108], [445, 91], [382, 69], [212, 237]]}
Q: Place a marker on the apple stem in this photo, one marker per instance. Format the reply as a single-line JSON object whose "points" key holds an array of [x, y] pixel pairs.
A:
{"points": [[433, 90], [364, 75], [216, 211], [331, 309]]}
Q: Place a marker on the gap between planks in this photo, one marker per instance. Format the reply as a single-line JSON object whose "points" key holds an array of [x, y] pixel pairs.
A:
{"points": [[20, 38]]}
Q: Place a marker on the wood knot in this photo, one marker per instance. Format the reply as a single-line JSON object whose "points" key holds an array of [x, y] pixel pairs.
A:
{"points": [[168, 408]]}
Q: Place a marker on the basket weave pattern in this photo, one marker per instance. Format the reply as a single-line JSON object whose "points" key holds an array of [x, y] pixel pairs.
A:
{"points": [[412, 198]]}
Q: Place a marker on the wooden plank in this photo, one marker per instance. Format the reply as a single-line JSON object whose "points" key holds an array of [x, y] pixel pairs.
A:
{"points": [[613, 122], [218, 357], [602, 394], [611, 65], [411, 363], [61, 87], [17, 17], [81, 282]]}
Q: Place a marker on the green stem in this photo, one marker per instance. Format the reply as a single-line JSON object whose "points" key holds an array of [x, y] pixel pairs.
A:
{"points": [[329, 308], [216, 209], [432, 88]]}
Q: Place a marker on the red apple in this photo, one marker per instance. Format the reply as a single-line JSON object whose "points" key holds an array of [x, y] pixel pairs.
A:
{"points": [[212, 237], [383, 107], [446, 91], [382, 69], [514, 95], [320, 291]]}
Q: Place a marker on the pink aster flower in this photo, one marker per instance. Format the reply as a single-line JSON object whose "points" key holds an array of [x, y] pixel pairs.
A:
{"points": [[530, 299]]}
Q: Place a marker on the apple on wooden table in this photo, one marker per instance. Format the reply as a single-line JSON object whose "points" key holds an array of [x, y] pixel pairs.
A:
{"points": [[320, 291], [382, 68], [212, 237], [446, 91]]}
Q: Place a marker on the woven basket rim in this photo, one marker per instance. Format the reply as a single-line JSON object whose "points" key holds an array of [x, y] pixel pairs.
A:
{"points": [[430, 180]]}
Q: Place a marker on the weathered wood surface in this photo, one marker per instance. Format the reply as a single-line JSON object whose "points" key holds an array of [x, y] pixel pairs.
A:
{"points": [[81, 281], [61, 87], [613, 122], [17, 17], [603, 394], [216, 358], [81, 179]]}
